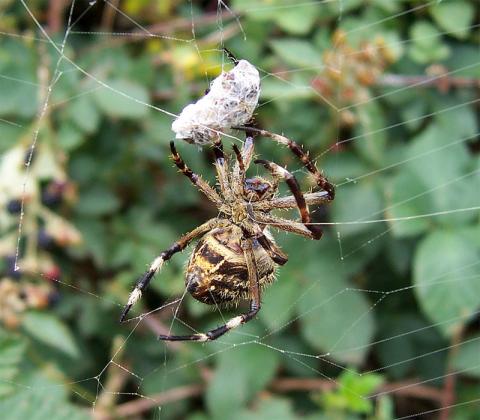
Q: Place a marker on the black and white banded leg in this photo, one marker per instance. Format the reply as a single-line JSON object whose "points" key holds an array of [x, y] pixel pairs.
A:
{"points": [[237, 320], [158, 262]]}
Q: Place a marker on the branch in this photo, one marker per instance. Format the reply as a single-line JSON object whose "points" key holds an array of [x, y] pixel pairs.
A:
{"points": [[448, 394], [55, 15], [108, 16], [403, 388], [140, 405], [441, 82], [283, 385]]}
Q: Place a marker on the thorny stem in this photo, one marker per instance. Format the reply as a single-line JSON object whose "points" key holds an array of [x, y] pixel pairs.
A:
{"points": [[443, 83], [404, 388], [448, 394], [54, 16], [108, 16], [140, 405]]}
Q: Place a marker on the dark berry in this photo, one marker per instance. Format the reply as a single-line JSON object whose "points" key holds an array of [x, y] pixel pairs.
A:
{"points": [[51, 198], [10, 267], [14, 206], [45, 241], [52, 193], [54, 297]]}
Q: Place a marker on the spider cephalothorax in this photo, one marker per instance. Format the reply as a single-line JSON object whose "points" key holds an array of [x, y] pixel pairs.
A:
{"points": [[236, 255]]}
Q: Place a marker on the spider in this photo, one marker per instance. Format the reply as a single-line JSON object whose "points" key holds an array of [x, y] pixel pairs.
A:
{"points": [[236, 255]]}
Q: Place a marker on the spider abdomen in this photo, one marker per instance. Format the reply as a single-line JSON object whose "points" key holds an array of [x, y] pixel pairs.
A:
{"points": [[217, 271]]}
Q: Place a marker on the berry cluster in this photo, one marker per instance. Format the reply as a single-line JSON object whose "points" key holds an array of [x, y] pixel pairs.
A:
{"points": [[29, 274]]}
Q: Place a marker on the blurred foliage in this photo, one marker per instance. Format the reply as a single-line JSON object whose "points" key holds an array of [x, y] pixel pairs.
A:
{"points": [[384, 93]]}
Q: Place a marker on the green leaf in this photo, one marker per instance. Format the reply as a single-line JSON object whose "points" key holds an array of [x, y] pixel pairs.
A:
{"points": [[279, 295], [267, 409], [41, 401], [454, 17], [69, 136], [97, 201], [406, 200], [123, 100], [467, 359], [12, 349], [297, 20], [296, 52], [368, 206], [83, 112], [48, 329], [427, 46], [446, 273], [346, 333], [402, 338], [436, 163], [273, 88], [352, 393], [241, 373], [372, 142]]}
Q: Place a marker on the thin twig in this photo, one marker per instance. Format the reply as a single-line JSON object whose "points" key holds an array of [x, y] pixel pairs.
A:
{"points": [[108, 16], [448, 394], [403, 388], [55, 15], [143, 404], [443, 83]]}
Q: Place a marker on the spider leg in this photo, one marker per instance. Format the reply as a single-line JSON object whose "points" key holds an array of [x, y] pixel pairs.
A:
{"points": [[321, 180], [279, 172], [272, 249], [221, 167], [196, 180], [236, 321], [230, 56], [243, 159], [289, 202], [318, 197], [284, 224], [156, 265], [238, 172], [247, 150]]}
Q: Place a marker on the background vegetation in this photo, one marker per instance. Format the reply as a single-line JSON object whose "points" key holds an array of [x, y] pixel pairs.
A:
{"points": [[384, 93]]}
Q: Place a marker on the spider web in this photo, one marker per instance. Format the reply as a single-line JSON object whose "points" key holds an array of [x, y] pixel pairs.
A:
{"points": [[118, 381]]}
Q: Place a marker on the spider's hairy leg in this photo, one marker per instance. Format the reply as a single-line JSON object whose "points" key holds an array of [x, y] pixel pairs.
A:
{"points": [[238, 173], [221, 167], [243, 159], [272, 249], [290, 202], [196, 180], [247, 150], [266, 241], [279, 172], [296, 149], [158, 262], [234, 322], [284, 224]]}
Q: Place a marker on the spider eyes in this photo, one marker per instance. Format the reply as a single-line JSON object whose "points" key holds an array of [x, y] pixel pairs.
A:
{"points": [[256, 185]]}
